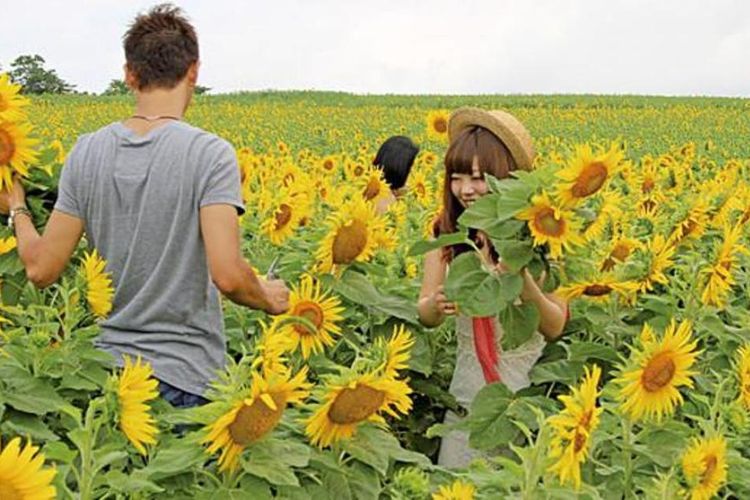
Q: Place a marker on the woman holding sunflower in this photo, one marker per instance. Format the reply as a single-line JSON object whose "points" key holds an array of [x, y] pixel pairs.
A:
{"points": [[492, 143]]}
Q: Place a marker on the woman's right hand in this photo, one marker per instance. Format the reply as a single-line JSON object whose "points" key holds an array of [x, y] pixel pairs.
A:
{"points": [[441, 304]]}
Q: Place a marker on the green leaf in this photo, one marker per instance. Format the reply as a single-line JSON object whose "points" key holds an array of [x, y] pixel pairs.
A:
{"points": [[519, 323], [488, 423], [564, 371], [22, 424], [174, 457], [29, 394], [583, 351], [367, 447], [59, 452], [273, 459], [357, 288], [510, 288], [422, 247], [482, 214], [505, 230], [123, 483], [472, 287], [364, 481], [514, 253]]}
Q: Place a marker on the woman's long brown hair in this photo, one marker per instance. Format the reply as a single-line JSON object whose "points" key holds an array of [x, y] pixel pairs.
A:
{"points": [[494, 159]]}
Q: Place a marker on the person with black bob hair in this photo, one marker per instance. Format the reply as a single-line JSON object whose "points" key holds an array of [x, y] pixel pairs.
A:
{"points": [[395, 158]]}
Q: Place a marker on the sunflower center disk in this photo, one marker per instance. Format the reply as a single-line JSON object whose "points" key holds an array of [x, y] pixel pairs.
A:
{"points": [[420, 189], [9, 492], [283, 215], [371, 190], [597, 290], [648, 185], [710, 462], [255, 421], [328, 165], [659, 372], [440, 126], [309, 311], [579, 441], [7, 147], [590, 181], [620, 252], [355, 405], [349, 242], [548, 224]]}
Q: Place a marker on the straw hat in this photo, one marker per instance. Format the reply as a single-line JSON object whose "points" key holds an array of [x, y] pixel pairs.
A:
{"points": [[503, 125]]}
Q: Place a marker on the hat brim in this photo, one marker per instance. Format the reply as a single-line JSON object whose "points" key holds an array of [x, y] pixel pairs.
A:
{"points": [[503, 125]]}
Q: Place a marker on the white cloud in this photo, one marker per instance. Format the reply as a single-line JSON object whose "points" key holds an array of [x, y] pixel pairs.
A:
{"points": [[411, 46]]}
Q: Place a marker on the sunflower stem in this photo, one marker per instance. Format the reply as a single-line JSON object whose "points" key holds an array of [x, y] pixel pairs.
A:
{"points": [[627, 456]]}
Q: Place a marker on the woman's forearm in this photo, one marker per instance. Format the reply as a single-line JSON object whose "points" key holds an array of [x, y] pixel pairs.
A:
{"points": [[552, 311], [428, 314]]}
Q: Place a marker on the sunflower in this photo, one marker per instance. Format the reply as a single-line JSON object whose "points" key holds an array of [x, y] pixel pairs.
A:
{"points": [[252, 418], [16, 151], [22, 475], [743, 372], [650, 386], [374, 187], [551, 224], [328, 165], [353, 400], [692, 226], [323, 311], [599, 290], [573, 426], [721, 273], [135, 387], [7, 244], [660, 254], [354, 232], [620, 249], [437, 125], [421, 187], [285, 215], [396, 351], [609, 212], [458, 490], [98, 284], [354, 169], [587, 172], [704, 464], [11, 102]]}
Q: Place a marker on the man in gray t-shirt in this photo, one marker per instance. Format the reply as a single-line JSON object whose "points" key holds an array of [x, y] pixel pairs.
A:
{"points": [[159, 200]]}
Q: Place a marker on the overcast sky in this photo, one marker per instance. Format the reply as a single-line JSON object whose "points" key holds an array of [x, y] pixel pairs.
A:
{"points": [[672, 47]]}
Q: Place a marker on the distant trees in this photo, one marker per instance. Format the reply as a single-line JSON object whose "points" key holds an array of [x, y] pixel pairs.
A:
{"points": [[29, 72], [119, 87], [116, 87]]}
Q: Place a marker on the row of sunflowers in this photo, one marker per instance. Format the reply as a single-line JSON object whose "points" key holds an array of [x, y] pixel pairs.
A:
{"points": [[640, 206]]}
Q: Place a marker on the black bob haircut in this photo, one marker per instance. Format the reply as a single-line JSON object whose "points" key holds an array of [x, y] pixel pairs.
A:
{"points": [[395, 158]]}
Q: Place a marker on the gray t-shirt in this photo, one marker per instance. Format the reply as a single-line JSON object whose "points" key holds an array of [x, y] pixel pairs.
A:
{"points": [[139, 198]]}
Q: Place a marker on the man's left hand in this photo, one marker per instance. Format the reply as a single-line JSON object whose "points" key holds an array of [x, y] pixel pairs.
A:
{"points": [[12, 197]]}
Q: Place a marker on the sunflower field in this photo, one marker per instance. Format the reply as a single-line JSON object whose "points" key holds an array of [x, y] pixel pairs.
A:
{"points": [[637, 212]]}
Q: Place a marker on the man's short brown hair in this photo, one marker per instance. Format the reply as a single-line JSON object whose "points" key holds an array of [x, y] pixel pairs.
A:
{"points": [[160, 46]]}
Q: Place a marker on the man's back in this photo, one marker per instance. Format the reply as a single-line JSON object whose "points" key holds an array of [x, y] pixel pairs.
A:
{"points": [[140, 197]]}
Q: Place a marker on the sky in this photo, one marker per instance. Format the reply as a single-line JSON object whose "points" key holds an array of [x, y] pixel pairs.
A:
{"points": [[667, 47]]}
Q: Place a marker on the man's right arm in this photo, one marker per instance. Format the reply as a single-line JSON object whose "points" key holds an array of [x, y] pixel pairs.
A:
{"points": [[231, 274]]}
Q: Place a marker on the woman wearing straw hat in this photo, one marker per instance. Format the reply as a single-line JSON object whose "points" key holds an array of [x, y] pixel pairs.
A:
{"points": [[495, 143]]}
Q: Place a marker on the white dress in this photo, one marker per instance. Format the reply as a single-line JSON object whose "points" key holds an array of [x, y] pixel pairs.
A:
{"points": [[513, 366]]}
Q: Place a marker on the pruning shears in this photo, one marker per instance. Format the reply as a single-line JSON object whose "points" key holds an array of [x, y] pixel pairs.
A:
{"points": [[271, 273]]}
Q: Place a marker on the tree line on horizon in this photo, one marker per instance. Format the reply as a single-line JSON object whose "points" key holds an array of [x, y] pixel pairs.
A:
{"points": [[30, 73]]}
